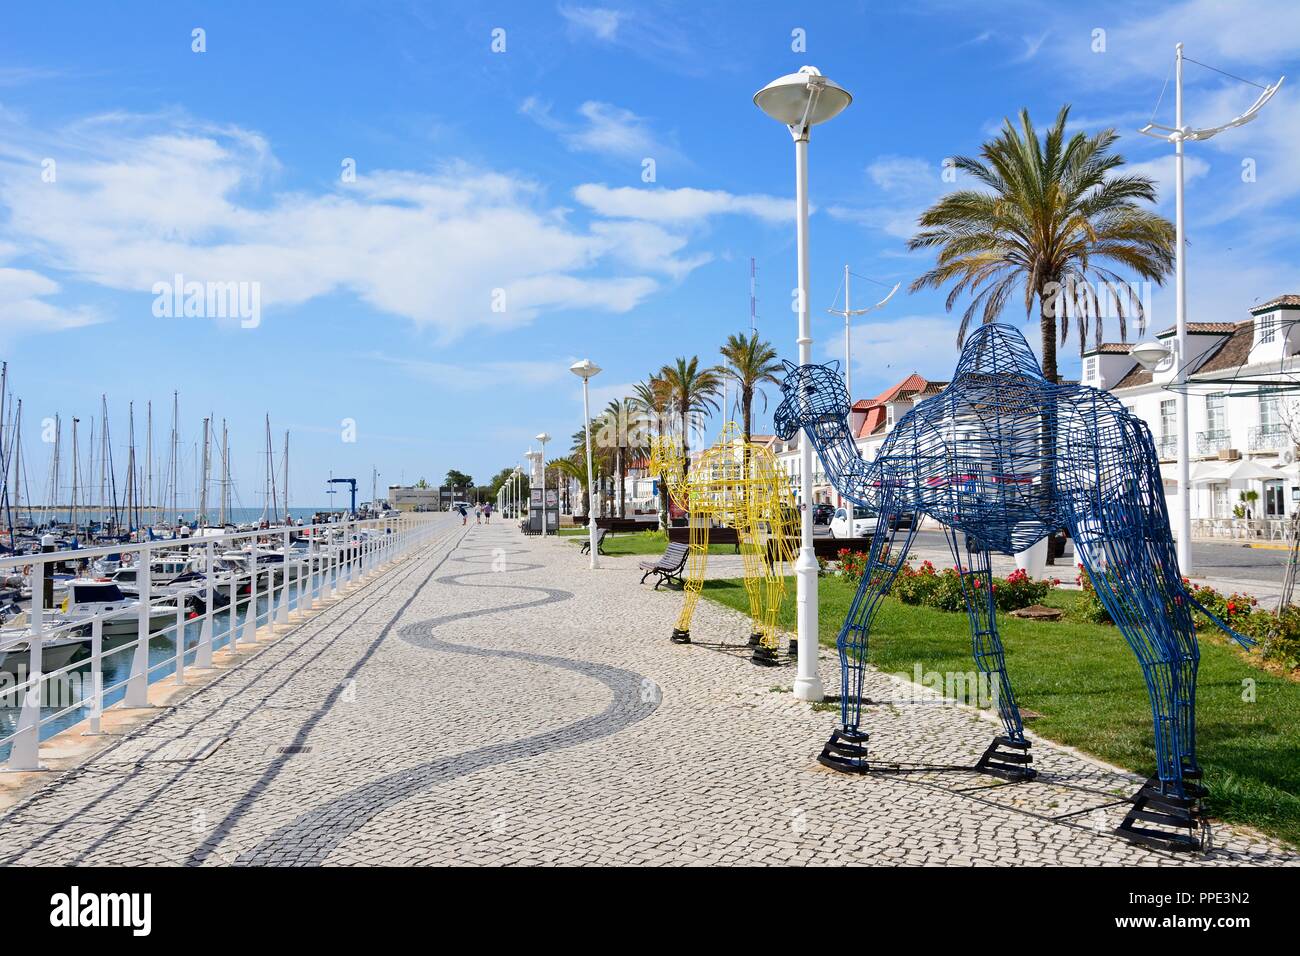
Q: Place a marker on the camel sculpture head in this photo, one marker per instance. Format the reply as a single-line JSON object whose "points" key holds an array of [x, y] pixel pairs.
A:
{"points": [[809, 394]]}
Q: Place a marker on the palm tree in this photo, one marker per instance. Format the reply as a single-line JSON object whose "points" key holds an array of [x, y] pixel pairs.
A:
{"points": [[751, 363], [650, 398], [1051, 214], [691, 391], [612, 427]]}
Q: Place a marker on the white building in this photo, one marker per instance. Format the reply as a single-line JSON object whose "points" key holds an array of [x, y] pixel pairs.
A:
{"points": [[1235, 415]]}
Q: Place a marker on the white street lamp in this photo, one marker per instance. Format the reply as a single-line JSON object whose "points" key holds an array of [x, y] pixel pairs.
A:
{"points": [[586, 370], [800, 101], [1178, 134], [541, 458]]}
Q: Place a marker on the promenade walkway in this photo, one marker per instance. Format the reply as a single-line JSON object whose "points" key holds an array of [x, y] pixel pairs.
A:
{"points": [[492, 701]]}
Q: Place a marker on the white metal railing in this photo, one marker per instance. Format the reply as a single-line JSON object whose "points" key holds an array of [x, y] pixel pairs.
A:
{"points": [[336, 555]]}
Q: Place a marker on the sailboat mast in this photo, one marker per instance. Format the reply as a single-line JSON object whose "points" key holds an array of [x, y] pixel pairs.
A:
{"points": [[72, 508], [225, 473], [148, 461], [286, 476], [176, 450], [203, 488], [18, 453]]}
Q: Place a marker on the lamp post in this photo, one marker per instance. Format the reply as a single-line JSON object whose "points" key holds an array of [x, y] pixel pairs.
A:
{"points": [[1178, 134], [801, 101], [541, 460], [587, 370]]}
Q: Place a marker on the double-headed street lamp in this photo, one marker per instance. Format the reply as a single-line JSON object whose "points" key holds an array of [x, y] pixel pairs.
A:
{"points": [[1151, 354], [801, 101], [541, 459], [587, 370]]}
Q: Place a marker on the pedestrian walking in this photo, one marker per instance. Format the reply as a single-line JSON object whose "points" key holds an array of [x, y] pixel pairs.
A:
{"points": [[487, 514]]}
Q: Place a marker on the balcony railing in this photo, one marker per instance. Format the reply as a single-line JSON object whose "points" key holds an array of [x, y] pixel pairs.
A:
{"points": [[1268, 437], [1211, 442], [1167, 447]]}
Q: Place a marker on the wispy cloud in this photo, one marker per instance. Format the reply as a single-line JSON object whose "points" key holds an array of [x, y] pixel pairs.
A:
{"points": [[604, 129], [470, 376], [680, 205], [599, 22]]}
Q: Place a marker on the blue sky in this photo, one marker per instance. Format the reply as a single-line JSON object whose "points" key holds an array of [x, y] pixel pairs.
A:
{"points": [[516, 178]]}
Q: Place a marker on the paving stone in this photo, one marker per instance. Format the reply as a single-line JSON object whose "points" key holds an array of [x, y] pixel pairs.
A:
{"points": [[491, 701]]}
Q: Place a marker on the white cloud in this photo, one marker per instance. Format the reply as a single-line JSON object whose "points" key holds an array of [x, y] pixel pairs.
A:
{"points": [[604, 129], [680, 205], [456, 376], [439, 248], [885, 352], [600, 22], [23, 307], [1162, 171]]}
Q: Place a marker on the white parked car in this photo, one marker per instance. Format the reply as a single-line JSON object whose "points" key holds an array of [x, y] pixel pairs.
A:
{"points": [[862, 524]]}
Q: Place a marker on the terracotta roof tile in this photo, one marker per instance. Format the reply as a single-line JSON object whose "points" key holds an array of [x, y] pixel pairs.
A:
{"points": [[1135, 376], [1110, 348], [1291, 300], [1203, 328]]}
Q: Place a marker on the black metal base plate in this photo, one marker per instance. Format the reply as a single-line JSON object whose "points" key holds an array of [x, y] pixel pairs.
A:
{"points": [[1007, 758], [1167, 821], [846, 752], [793, 649], [766, 657], [754, 639], [681, 637]]}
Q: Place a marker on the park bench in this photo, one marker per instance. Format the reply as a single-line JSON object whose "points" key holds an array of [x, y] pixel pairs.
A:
{"points": [[715, 536], [828, 548], [668, 567], [600, 542]]}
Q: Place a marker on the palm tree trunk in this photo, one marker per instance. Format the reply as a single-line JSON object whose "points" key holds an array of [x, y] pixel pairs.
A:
{"points": [[1047, 328], [747, 397]]}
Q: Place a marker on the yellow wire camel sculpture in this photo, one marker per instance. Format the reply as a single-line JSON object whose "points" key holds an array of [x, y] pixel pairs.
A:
{"points": [[734, 484]]}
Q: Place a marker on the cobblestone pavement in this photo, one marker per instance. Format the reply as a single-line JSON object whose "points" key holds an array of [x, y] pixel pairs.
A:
{"points": [[492, 701]]}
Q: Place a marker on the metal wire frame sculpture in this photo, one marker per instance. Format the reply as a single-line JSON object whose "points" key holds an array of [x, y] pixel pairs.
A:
{"points": [[1001, 458], [738, 485]]}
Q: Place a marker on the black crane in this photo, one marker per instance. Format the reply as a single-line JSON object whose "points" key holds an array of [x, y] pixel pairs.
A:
{"points": [[352, 484]]}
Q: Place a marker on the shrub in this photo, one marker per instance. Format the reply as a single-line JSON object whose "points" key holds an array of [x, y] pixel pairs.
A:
{"points": [[1278, 635]]}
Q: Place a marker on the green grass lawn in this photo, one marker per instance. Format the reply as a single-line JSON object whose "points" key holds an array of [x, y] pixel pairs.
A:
{"points": [[645, 542], [1087, 686]]}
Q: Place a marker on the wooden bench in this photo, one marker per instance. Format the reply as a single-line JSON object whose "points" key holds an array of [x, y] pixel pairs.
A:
{"points": [[618, 525], [715, 536], [600, 542], [827, 547], [668, 567]]}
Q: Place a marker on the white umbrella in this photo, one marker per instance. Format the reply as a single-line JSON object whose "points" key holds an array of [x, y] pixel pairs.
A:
{"points": [[1209, 473], [1251, 470]]}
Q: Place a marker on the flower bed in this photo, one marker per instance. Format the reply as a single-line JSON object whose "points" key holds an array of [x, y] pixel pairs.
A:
{"points": [[1278, 635], [942, 590]]}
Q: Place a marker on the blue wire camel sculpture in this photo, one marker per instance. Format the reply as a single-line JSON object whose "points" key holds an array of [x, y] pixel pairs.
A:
{"points": [[1002, 458]]}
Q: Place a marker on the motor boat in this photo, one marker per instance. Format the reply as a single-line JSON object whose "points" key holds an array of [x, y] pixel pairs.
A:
{"points": [[91, 597], [57, 651]]}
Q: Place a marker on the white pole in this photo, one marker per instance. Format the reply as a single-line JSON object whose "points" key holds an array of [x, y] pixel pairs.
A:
{"points": [[591, 484], [848, 348], [542, 462], [1180, 305], [807, 685]]}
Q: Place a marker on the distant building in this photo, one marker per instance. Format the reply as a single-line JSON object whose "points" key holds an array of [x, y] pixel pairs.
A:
{"points": [[1235, 412], [415, 498]]}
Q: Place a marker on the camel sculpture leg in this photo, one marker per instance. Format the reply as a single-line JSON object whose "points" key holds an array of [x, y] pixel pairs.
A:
{"points": [[847, 748], [1117, 554], [697, 560], [1008, 756]]}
